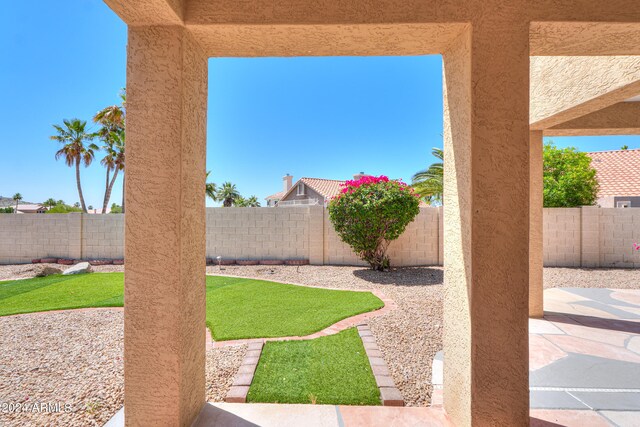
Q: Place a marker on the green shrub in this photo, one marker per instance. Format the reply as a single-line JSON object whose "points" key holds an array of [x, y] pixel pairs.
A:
{"points": [[61, 208], [370, 213]]}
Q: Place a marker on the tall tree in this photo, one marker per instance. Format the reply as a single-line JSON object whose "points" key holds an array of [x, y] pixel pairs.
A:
{"points": [[569, 179], [429, 183], [252, 202], [16, 198], [73, 135], [227, 194], [50, 202], [210, 189], [113, 161], [112, 122]]}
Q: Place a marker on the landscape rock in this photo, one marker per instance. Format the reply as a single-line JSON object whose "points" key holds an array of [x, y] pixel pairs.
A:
{"points": [[79, 268], [45, 270]]}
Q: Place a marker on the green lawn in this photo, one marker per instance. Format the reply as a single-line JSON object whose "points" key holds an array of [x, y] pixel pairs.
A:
{"points": [[61, 292], [329, 370], [244, 308], [236, 308]]}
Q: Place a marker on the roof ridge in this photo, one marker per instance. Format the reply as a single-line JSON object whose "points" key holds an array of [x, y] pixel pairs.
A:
{"points": [[323, 179], [613, 151]]}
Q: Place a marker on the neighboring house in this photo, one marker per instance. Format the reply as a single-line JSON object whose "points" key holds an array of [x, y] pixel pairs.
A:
{"points": [[619, 178], [24, 208], [273, 199], [311, 191]]}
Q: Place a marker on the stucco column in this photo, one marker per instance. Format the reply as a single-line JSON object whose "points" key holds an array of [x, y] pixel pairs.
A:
{"points": [[536, 254], [486, 221], [165, 228]]}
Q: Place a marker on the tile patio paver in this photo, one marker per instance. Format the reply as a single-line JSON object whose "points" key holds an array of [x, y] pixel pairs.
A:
{"points": [[570, 418]]}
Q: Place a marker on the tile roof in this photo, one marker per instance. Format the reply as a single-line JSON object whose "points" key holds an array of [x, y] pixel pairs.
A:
{"points": [[617, 172], [325, 187], [275, 196]]}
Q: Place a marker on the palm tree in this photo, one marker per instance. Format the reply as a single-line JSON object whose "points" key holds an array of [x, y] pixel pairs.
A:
{"points": [[227, 194], [210, 189], [240, 202], [76, 205], [50, 202], [253, 202], [429, 182], [16, 198], [113, 161], [73, 135], [112, 121]]}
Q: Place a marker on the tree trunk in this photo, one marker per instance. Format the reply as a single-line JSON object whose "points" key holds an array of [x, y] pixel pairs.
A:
{"points": [[84, 207], [107, 195], [16, 207], [105, 200]]}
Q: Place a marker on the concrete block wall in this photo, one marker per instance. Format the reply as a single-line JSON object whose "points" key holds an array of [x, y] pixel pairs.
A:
{"points": [[591, 237], [102, 237], [619, 230], [28, 236], [573, 237], [259, 233], [561, 237]]}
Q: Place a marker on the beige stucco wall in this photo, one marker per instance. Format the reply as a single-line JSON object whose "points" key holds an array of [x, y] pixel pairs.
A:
{"points": [[573, 237]]}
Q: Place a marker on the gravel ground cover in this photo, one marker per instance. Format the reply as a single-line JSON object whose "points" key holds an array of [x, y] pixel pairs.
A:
{"points": [[76, 358], [409, 337], [81, 370]]}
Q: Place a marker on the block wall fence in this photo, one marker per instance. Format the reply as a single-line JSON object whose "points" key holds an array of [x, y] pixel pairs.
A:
{"points": [[573, 237]]}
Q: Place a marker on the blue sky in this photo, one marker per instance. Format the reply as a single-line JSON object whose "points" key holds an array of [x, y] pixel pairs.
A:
{"points": [[317, 117]]}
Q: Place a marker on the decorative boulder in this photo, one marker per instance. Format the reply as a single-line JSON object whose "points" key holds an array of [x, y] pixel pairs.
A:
{"points": [[45, 270], [79, 268]]}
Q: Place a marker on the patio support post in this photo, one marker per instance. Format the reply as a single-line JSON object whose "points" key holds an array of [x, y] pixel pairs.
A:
{"points": [[486, 217], [536, 254], [165, 227]]}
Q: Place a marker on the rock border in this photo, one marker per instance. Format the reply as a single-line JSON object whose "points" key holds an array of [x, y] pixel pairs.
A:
{"points": [[244, 377], [389, 393]]}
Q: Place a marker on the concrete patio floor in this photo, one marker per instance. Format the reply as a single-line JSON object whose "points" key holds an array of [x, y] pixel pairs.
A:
{"points": [[584, 359], [584, 371]]}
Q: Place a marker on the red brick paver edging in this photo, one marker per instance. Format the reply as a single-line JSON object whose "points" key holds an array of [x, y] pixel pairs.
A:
{"points": [[343, 324], [244, 377], [389, 393]]}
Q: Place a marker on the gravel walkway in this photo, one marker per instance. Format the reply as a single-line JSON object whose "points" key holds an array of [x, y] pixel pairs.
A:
{"points": [[56, 357]]}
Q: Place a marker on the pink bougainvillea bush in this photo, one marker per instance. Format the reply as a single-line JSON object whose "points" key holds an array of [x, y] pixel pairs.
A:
{"points": [[371, 212]]}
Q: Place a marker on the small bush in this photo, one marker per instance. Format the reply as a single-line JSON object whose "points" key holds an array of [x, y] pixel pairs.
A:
{"points": [[370, 213]]}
